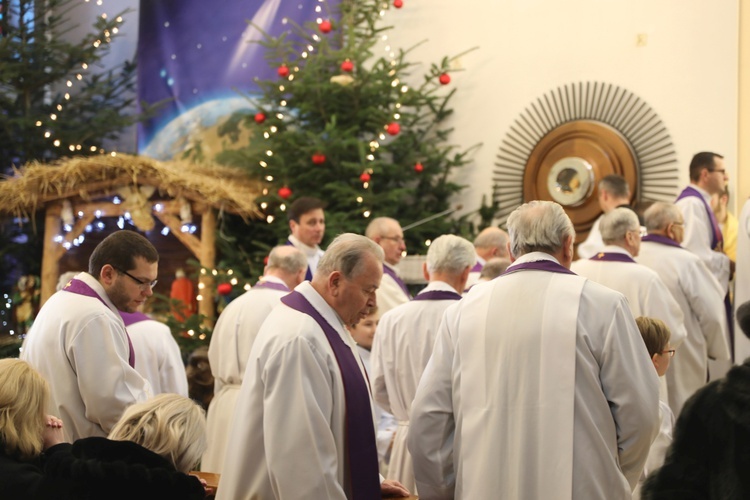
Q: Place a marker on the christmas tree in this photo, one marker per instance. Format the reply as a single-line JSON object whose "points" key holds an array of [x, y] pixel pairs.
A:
{"points": [[344, 124]]}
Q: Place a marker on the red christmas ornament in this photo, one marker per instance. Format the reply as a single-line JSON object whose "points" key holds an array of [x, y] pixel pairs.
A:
{"points": [[365, 177], [445, 79], [283, 71], [224, 288], [318, 158], [325, 26], [398, 3], [393, 128], [347, 66], [285, 192], [260, 118], [418, 167]]}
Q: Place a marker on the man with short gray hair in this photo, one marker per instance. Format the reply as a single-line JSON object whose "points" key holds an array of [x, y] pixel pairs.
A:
{"points": [[304, 425], [405, 335], [525, 395], [614, 267], [613, 192], [233, 337], [490, 243], [698, 294]]}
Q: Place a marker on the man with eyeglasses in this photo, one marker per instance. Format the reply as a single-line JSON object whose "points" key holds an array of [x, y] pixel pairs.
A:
{"points": [[79, 343], [698, 294], [708, 176], [387, 233]]}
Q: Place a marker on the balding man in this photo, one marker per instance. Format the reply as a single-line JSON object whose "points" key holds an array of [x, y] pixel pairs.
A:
{"points": [[304, 425], [490, 243], [614, 192], [233, 338], [405, 336], [387, 233], [539, 385], [614, 267], [698, 294]]}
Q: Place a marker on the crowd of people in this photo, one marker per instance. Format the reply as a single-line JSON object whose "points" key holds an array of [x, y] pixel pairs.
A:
{"points": [[523, 369]]}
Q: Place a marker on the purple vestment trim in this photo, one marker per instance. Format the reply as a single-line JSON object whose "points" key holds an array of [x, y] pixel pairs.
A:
{"points": [[361, 450], [717, 239], [270, 285], [130, 318], [658, 238], [390, 272], [81, 288], [613, 257], [438, 295], [477, 267], [308, 274], [539, 265]]}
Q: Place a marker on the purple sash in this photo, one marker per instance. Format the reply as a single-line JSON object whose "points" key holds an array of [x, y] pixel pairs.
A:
{"points": [[658, 238], [390, 272], [308, 274], [81, 288], [477, 267], [613, 257], [360, 450], [130, 318], [270, 285], [539, 265], [717, 239], [438, 295]]}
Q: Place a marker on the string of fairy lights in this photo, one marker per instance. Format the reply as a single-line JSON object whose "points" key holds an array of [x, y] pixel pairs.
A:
{"points": [[48, 127], [288, 73]]}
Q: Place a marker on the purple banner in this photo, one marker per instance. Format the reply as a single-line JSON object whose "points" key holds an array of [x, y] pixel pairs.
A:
{"points": [[200, 56]]}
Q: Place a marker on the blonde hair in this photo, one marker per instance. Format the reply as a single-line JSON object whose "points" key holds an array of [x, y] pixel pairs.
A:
{"points": [[23, 402], [170, 425], [655, 334]]}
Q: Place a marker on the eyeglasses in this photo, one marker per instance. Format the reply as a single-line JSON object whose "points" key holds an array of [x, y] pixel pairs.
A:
{"points": [[141, 283], [397, 239], [669, 352], [720, 170]]}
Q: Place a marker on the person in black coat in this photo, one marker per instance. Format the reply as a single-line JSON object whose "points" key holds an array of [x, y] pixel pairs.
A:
{"points": [[148, 454], [710, 453]]}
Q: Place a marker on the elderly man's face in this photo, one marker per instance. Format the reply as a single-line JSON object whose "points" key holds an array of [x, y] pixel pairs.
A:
{"points": [[356, 297], [392, 243]]}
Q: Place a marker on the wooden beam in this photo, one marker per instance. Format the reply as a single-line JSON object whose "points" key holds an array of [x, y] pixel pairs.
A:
{"points": [[173, 223], [50, 260], [78, 229], [208, 261]]}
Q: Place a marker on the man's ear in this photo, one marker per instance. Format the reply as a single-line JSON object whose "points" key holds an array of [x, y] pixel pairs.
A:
{"points": [[425, 272], [108, 274], [334, 282]]}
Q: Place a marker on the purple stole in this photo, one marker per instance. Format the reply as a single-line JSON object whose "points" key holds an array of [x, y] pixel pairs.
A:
{"points": [[658, 238], [477, 268], [81, 288], [613, 257], [130, 318], [361, 450], [308, 274], [539, 265], [438, 295], [390, 272], [717, 239], [270, 285]]}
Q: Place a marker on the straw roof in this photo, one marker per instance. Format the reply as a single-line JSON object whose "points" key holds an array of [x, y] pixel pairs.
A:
{"points": [[96, 177]]}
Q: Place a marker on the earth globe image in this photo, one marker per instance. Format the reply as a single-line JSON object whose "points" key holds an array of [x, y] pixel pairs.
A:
{"points": [[199, 127]]}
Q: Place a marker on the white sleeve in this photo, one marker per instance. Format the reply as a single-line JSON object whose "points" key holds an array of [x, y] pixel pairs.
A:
{"points": [[300, 449], [659, 303], [593, 242], [107, 383], [431, 423], [379, 367], [172, 370], [706, 299], [697, 239]]}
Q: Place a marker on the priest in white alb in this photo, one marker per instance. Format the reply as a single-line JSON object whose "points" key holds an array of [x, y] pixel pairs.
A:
{"points": [[232, 339], [698, 294], [405, 336], [387, 233], [303, 427], [539, 385]]}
